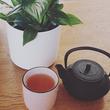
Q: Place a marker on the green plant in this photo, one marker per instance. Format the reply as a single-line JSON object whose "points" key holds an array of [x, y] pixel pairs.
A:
{"points": [[33, 16]]}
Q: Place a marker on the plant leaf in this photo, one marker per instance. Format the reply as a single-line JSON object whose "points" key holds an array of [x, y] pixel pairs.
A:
{"points": [[73, 20], [13, 15], [59, 6], [29, 35], [18, 22], [15, 10], [3, 16], [25, 2], [16, 2], [20, 19], [37, 9], [62, 18]]}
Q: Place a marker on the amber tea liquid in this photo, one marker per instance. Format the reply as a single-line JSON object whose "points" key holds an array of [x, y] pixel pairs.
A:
{"points": [[40, 83]]}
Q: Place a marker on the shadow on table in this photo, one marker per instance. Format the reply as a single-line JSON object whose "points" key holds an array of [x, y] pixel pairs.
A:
{"points": [[66, 102]]}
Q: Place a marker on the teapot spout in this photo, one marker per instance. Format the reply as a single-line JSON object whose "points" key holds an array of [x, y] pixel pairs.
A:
{"points": [[61, 70]]}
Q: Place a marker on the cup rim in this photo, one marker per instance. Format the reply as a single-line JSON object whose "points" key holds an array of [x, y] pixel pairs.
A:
{"points": [[38, 91]]}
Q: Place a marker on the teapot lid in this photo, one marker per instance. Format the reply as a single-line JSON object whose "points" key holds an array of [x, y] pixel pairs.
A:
{"points": [[87, 70]]}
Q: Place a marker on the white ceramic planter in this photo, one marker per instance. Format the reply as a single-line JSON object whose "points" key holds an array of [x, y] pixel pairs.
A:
{"points": [[42, 51]]}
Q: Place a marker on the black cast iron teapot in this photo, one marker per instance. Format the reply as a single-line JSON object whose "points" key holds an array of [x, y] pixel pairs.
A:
{"points": [[85, 79]]}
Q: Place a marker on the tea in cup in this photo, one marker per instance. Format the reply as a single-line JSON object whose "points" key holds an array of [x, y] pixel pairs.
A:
{"points": [[40, 86]]}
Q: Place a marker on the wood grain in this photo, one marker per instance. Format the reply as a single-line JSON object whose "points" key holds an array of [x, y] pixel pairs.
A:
{"points": [[95, 31]]}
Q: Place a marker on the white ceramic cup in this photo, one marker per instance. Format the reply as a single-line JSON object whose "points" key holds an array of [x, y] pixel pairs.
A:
{"points": [[40, 100]]}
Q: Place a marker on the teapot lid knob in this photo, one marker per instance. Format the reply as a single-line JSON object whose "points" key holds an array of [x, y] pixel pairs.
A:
{"points": [[87, 70]]}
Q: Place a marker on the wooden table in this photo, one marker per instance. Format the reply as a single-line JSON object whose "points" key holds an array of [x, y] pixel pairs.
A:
{"points": [[95, 31]]}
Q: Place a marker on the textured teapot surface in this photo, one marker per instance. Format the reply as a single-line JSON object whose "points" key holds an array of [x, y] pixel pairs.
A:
{"points": [[87, 80], [87, 70], [84, 79]]}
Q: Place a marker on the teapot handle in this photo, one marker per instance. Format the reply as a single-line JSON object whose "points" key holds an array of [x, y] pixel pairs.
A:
{"points": [[83, 48]]}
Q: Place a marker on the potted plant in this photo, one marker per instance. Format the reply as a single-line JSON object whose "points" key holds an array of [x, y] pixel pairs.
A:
{"points": [[33, 30]]}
